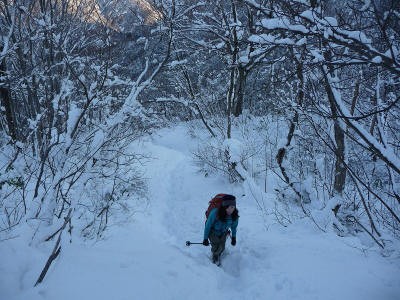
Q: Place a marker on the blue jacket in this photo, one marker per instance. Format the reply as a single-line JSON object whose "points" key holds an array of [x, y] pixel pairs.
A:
{"points": [[219, 227]]}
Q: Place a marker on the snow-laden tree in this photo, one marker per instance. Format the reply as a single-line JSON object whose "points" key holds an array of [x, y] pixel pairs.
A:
{"points": [[349, 54], [70, 86]]}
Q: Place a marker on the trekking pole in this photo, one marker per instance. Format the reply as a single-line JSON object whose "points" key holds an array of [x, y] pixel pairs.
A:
{"points": [[188, 243]]}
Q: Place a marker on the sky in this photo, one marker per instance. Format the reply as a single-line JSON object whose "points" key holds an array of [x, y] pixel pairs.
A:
{"points": [[146, 258]]}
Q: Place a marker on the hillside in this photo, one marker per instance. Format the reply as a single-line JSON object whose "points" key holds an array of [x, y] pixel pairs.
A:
{"points": [[146, 258]]}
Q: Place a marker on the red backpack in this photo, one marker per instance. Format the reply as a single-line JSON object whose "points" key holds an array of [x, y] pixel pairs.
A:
{"points": [[215, 202]]}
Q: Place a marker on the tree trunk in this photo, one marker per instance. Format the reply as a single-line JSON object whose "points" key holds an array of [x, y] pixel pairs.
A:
{"points": [[5, 97], [340, 169], [282, 151], [241, 83], [229, 103]]}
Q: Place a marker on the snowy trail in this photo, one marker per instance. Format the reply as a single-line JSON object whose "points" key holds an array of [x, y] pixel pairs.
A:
{"points": [[148, 259], [176, 183]]}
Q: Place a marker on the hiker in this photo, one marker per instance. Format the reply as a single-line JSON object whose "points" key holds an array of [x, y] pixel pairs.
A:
{"points": [[217, 226]]}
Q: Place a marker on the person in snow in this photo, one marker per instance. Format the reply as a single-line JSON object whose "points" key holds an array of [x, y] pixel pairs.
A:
{"points": [[217, 226]]}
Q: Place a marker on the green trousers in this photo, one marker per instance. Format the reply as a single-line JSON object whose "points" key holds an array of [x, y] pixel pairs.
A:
{"points": [[217, 243]]}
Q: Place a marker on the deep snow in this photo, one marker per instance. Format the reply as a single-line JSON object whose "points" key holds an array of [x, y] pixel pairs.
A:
{"points": [[148, 259]]}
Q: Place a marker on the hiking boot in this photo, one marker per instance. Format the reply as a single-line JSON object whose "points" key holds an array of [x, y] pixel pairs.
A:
{"points": [[216, 260]]}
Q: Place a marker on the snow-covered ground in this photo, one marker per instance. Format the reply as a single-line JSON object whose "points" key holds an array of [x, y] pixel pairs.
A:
{"points": [[148, 259]]}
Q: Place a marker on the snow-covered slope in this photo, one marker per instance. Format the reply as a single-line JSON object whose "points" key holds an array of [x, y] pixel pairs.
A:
{"points": [[148, 259]]}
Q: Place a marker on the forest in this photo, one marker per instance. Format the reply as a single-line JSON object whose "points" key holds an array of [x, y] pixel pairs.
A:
{"points": [[311, 86]]}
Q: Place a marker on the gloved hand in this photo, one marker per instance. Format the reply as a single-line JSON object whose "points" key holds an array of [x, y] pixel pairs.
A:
{"points": [[206, 242], [233, 241]]}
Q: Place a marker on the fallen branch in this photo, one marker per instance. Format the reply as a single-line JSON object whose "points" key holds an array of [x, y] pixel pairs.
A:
{"points": [[56, 250]]}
